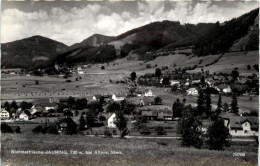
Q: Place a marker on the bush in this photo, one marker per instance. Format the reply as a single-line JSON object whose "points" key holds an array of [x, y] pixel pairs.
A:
{"points": [[144, 130], [6, 129], [102, 118], [160, 130], [37, 82], [107, 133], [68, 80], [52, 129], [37, 129]]}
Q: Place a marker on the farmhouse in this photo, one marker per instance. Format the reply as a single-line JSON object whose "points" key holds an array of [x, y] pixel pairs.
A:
{"points": [[148, 92], [97, 97], [150, 115], [111, 121], [4, 114], [47, 104], [192, 91], [174, 82], [80, 71], [118, 97], [24, 115], [239, 125], [224, 88]]}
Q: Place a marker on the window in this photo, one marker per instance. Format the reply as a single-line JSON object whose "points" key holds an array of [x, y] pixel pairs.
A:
{"points": [[246, 132], [235, 131], [246, 124]]}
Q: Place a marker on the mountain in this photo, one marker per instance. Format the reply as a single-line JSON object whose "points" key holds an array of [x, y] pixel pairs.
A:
{"points": [[30, 51], [148, 42], [94, 40]]}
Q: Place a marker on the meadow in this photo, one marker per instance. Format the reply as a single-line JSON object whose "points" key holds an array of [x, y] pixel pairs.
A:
{"points": [[129, 152]]}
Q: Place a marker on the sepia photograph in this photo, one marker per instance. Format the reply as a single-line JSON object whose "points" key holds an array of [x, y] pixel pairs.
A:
{"points": [[129, 83]]}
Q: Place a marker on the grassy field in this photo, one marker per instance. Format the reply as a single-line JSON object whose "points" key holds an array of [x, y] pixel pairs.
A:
{"points": [[132, 152]]}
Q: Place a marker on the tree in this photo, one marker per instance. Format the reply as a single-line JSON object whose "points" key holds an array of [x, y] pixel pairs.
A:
{"points": [[7, 106], [219, 105], [225, 107], [218, 135], [14, 105], [235, 74], [90, 118], [202, 80], [166, 81], [248, 67], [71, 102], [188, 128], [208, 103], [18, 130], [174, 88], [234, 105], [132, 90], [200, 103], [177, 108], [24, 105], [112, 107], [157, 100], [133, 76], [158, 72], [82, 122], [95, 107], [102, 67], [121, 123]]}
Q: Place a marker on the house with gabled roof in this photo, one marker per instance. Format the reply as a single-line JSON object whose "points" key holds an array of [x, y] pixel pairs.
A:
{"points": [[24, 115], [150, 115], [111, 121], [192, 91], [240, 125], [224, 88], [97, 97], [148, 92], [118, 97], [4, 114]]}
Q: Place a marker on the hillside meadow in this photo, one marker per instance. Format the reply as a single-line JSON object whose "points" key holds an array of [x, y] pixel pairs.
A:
{"points": [[129, 152]]}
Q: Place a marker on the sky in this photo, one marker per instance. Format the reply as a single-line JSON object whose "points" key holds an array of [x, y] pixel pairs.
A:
{"points": [[71, 22]]}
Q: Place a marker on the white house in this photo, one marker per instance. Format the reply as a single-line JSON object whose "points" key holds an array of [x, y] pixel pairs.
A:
{"points": [[80, 71], [192, 91], [25, 115], [111, 121], [118, 97], [174, 82], [4, 114], [148, 92], [227, 90], [224, 88], [195, 82]]}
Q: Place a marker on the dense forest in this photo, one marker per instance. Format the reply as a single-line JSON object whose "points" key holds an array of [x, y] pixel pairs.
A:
{"points": [[220, 38]]}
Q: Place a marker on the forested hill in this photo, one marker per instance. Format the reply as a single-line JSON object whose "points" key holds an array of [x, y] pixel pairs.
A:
{"points": [[220, 38]]}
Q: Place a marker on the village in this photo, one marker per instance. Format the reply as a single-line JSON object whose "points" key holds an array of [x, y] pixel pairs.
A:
{"points": [[146, 111]]}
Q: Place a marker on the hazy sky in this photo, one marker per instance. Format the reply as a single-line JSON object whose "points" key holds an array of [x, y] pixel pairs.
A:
{"points": [[72, 22]]}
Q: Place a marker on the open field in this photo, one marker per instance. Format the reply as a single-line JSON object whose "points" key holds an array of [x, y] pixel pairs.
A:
{"points": [[132, 152]]}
